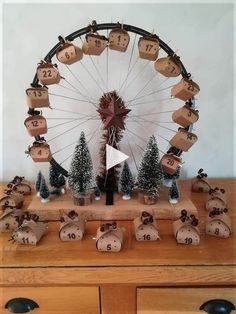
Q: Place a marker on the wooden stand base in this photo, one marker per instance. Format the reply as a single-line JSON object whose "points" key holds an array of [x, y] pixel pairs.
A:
{"points": [[109, 197], [121, 210]]}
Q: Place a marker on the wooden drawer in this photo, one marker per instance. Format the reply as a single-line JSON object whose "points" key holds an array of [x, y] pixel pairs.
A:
{"points": [[179, 300], [55, 300]]}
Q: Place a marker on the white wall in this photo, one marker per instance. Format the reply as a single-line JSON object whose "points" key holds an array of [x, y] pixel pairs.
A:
{"points": [[203, 35]]}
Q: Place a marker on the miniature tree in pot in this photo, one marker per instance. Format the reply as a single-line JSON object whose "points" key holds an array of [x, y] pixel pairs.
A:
{"points": [[80, 177], [62, 183], [44, 191], [38, 182], [97, 193], [174, 193], [170, 181], [57, 181], [126, 182], [149, 174]]}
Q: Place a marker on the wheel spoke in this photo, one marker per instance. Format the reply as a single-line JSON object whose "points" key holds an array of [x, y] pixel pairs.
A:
{"points": [[67, 122], [66, 159], [63, 148], [111, 144], [88, 100], [67, 88], [158, 124], [138, 136], [152, 101], [69, 111], [152, 93], [91, 76], [64, 132], [96, 68], [130, 147], [137, 75], [63, 123], [107, 66], [59, 118], [140, 123], [85, 89], [68, 145], [145, 86], [130, 60], [151, 114], [63, 96], [94, 132]]}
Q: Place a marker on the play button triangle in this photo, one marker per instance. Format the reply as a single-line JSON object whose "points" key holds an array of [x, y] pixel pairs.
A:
{"points": [[114, 157]]}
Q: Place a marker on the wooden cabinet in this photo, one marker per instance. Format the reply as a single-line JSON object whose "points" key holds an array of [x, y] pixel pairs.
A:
{"points": [[179, 300], [144, 277], [59, 300]]}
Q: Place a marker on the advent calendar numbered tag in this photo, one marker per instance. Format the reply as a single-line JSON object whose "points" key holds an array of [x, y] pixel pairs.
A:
{"points": [[23, 187], [94, 44], [185, 229], [72, 227], [216, 200], [30, 232], [185, 116], [19, 185], [168, 67], [8, 220], [109, 238], [119, 40], [69, 53], [170, 163], [40, 152], [183, 140], [145, 228], [36, 125], [201, 185], [218, 224], [148, 48], [48, 73], [185, 89], [37, 97], [14, 200]]}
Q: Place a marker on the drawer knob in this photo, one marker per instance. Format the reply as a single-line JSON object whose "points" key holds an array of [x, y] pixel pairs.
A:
{"points": [[217, 306], [21, 305]]}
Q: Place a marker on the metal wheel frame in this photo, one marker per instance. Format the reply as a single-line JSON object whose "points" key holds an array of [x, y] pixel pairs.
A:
{"points": [[109, 26]]}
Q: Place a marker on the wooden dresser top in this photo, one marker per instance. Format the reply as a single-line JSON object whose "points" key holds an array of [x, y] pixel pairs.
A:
{"points": [[51, 252]]}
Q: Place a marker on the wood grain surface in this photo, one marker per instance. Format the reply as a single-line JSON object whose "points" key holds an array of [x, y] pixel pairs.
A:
{"points": [[121, 210], [60, 269], [57, 300], [179, 300], [211, 251]]}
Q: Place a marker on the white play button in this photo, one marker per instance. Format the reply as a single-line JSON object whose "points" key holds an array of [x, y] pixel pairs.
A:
{"points": [[114, 157]]}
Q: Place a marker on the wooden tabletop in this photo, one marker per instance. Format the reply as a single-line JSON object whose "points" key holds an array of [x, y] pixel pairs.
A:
{"points": [[51, 252]]}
